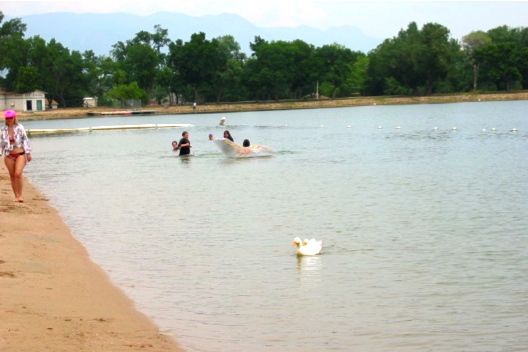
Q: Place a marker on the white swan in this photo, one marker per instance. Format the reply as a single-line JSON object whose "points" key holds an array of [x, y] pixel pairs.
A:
{"points": [[307, 247]]}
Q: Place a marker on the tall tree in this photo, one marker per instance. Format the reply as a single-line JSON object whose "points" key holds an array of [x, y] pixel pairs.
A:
{"points": [[64, 80], [228, 84], [414, 62], [280, 69], [12, 49], [198, 63], [334, 65], [504, 59], [471, 43]]}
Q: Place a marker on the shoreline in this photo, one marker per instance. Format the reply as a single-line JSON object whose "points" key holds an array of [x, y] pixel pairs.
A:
{"points": [[68, 113], [53, 297]]}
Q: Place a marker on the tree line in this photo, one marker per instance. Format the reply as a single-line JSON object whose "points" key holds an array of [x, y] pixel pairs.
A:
{"points": [[150, 66]]}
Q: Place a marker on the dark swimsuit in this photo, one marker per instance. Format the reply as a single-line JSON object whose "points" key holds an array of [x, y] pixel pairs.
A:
{"points": [[14, 156]]}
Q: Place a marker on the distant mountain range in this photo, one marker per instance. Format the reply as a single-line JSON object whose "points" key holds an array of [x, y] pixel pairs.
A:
{"points": [[99, 32]]}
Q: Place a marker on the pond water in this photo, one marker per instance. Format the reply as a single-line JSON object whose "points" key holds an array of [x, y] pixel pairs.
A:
{"points": [[422, 211]]}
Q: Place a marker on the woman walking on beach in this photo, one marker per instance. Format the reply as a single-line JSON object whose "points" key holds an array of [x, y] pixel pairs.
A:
{"points": [[14, 145]]}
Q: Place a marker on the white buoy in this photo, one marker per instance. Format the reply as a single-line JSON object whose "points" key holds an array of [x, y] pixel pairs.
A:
{"points": [[513, 130], [454, 128], [380, 127], [321, 126], [483, 130], [435, 128], [397, 127], [493, 129], [222, 121], [349, 126]]}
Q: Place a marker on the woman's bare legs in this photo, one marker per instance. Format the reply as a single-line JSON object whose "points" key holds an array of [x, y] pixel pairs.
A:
{"points": [[15, 168]]}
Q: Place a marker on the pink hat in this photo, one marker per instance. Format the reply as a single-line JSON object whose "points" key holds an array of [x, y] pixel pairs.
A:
{"points": [[10, 114]]}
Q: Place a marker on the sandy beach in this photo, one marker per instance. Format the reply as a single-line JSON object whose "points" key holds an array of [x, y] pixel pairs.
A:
{"points": [[52, 296], [65, 113]]}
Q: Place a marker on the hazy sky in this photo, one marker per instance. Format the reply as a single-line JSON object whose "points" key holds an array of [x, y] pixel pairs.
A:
{"points": [[379, 19]]}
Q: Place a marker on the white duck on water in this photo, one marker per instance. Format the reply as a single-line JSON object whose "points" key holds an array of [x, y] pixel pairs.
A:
{"points": [[307, 247]]}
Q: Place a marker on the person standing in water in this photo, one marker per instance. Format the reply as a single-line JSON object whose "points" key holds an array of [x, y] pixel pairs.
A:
{"points": [[14, 145], [185, 144]]}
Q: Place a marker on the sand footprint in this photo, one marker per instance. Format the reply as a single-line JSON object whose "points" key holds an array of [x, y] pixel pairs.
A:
{"points": [[8, 274]]}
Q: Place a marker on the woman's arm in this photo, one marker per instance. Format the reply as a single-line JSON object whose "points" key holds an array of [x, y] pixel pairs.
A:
{"points": [[25, 142], [3, 142]]}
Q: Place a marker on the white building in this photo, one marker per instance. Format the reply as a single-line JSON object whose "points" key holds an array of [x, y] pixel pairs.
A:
{"points": [[90, 102], [34, 101]]}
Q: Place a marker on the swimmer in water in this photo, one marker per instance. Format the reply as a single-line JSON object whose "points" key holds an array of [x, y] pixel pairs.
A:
{"points": [[227, 135], [185, 144]]}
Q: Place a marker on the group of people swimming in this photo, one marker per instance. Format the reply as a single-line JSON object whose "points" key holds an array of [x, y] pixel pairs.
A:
{"points": [[227, 135], [184, 145], [16, 149]]}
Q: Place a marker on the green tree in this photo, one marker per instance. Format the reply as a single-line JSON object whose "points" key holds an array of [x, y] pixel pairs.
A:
{"points": [[28, 79], [499, 65], [141, 60], [358, 75], [414, 62], [198, 63], [471, 43], [334, 65], [280, 69], [63, 76], [9, 30], [12, 49], [228, 84], [130, 91], [503, 60], [160, 38]]}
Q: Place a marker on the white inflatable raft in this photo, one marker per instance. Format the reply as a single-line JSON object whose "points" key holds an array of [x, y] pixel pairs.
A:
{"points": [[234, 150]]}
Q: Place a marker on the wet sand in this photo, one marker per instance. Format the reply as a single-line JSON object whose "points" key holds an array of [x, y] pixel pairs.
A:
{"points": [[64, 113], [52, 296]]}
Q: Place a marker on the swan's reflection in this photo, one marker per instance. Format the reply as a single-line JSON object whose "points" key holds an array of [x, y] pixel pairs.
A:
{"points": [[309, 263], [309, 269]]}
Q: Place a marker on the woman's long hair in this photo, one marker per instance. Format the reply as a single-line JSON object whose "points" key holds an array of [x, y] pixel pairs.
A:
{"points": [[228, 135]]}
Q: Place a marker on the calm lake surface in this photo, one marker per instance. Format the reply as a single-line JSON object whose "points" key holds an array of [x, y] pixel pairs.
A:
{"points": [[425, 231]]}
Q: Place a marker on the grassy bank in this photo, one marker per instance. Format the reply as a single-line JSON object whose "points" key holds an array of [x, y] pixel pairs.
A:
{"points": [[285, 105]]}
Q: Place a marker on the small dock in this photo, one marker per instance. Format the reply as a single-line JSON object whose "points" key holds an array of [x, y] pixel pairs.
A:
{"points": [[52, 131], [121, 113]]}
